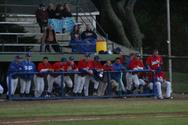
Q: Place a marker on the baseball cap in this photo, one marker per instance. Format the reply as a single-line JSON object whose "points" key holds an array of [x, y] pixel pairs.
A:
{"points": [[18, 57], [29, 54], [71, 58], [63, 59]]}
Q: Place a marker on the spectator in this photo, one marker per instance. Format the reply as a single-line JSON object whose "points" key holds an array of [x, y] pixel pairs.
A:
{"points": [[58, 13], [117, 75], [50, 11], [76, 42], [42, 17], [89, 40], [88, 34], [49, 38], [66, 11]]}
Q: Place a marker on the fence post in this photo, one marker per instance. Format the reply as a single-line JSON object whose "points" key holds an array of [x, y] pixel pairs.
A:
{"points": [[9, 86], [109, 84]]}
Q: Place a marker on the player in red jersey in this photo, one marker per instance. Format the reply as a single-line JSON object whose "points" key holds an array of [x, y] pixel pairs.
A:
{"points": [[42, 67], [135, 64], [154, 61], [84, 66]]}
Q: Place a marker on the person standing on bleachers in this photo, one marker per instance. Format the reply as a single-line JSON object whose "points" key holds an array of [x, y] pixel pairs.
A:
{"points": [[50, 11], [49, 38], [58, 13], [42, 17], [66, 11]]}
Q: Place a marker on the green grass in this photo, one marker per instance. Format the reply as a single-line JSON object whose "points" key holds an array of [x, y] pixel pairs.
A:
{"points": [[89, 107], [139, 121], [180, 82]]}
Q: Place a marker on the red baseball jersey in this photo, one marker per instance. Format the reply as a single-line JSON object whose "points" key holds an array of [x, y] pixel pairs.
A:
{"points": [[85, 64], [71, 66], [43, 66], [154, 62], [136, 64], [107, 67], [97, 65]]}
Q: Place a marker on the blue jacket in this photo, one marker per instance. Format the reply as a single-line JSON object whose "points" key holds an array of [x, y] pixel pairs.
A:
{"points": [[117, 67], [28, 66], [14, 67]]}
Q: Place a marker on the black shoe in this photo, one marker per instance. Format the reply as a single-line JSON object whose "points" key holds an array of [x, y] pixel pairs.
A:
{"points": [[22, 95]]}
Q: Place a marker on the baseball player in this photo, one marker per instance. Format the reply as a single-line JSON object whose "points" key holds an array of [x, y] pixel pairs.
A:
{"points": [[58, 67], [154, 61], [135, 64], [25, 79], [97, 74], [117, 76], [84, 66], [42, 67], [162, 82], [15, 66], [71, 67]]}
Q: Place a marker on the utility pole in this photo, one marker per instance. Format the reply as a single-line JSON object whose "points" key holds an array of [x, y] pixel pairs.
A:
{"points": [[169, 40]]}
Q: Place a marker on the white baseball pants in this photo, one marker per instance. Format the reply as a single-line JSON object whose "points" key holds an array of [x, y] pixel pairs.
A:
{"points": [[25, 86], [39, 86], [1, 90], [14, 83], [79, 83]]}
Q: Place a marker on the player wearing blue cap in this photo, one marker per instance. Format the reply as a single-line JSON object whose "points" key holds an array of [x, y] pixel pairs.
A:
{"points": [[26, 79], [15, 66]]}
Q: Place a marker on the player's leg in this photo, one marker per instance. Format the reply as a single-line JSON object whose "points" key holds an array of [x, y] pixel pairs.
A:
{"points": [[168, 89], [136, 80], [129, 82], [41, 86], [14, 83], [22, 87], [96, 85], [76, 84], [50, 80], [1, 90], [82, 80], [36, 85], [27, 87], [86, 85], [102, 88], [159, 90], [121, 83], [68, 82]]}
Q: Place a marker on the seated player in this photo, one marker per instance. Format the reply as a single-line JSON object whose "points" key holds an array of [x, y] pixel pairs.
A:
{"points": [[161, 81]]}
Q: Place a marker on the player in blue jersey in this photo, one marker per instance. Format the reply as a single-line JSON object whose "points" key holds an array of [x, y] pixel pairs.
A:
{"points": [[15, 66], [25, 80]]}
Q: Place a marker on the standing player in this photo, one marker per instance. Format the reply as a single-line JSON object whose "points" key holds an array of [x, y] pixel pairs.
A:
{"points": [[98, 74], [135, 64], [25, 79], [15, 66], [84, 66], [155, 62], [42, 67], [117, 75]]}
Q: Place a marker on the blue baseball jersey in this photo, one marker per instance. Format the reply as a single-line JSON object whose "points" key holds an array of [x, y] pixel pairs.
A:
{"points": [[13, 68], [28, 66], [117, 67]]}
